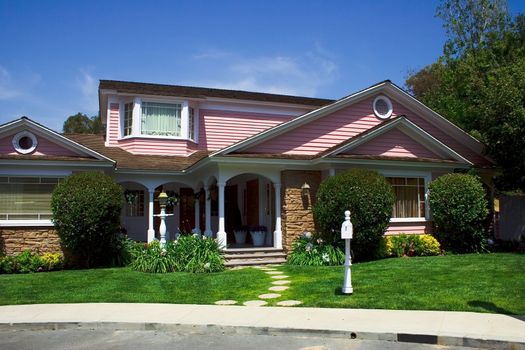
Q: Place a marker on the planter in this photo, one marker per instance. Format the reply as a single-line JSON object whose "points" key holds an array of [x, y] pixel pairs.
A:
{"points": [[258, 238], [240, 236]]}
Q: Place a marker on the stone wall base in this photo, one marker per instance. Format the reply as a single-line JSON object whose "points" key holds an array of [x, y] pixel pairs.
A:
{"points": [[14, 240]]}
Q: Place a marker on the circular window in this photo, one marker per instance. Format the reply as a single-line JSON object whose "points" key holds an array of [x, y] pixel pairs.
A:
{"points": [[382, 107], [24, 142]]}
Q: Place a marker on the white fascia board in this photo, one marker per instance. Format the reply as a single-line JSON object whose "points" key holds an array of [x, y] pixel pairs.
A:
{"points": [[303, 119], [70, 144], [26, 223], [474, 144], [149, 172], [57, 163]]}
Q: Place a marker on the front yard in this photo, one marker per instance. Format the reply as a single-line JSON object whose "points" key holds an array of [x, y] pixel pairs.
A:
{"points": [[481, 283]]}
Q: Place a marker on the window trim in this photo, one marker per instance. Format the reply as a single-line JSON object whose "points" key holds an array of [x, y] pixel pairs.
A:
{"points": [[389, 105], [19, 136]]}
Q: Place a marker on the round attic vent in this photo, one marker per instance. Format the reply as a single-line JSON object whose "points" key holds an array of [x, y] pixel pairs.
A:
{"points": [[382, 107], [25, 142]]}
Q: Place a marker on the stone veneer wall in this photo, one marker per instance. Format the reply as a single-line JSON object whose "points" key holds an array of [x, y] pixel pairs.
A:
{"points": [[297, 216], [14, 240]]}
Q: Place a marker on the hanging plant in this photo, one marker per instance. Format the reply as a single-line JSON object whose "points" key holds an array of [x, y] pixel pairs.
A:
{"points": [[173, 198], [198, 195], [130, 196]]}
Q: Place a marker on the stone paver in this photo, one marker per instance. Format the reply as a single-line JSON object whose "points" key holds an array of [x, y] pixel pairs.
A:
{"points": [[255, 303], [281, 282], [278, 288], [280, 277], [225, 302], [269, 296], [289, 303], [274, 272]]}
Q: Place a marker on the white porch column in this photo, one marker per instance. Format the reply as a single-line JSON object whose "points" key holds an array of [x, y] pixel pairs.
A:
{"points": [[277, 234], [197, 228], [151, 230], [331, 172], [221, 234], [207, 230]]}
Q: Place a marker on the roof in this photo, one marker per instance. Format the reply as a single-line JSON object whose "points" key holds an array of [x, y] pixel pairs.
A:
{"points": [[201, 92], [126, 160]]}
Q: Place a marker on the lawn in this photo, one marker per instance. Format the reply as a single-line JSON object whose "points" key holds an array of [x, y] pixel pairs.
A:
{"points": [[482, 283]]}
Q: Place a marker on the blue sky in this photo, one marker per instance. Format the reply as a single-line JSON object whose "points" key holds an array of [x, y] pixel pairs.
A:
{"points": [[54, 52]]}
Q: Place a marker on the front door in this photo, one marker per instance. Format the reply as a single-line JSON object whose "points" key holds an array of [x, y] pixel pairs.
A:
{"points": [[187, 210], [252, 202]]}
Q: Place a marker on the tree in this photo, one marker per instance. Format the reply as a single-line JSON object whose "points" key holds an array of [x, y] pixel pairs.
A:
{"points": [[82, 124], [479, 82]]}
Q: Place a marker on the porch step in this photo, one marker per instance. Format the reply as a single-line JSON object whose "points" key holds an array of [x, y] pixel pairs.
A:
{"points": [[253, 256]]}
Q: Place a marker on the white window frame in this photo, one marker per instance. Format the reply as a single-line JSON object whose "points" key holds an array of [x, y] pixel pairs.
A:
{"points": [[426, 176], [31, 222], [137, 119]]}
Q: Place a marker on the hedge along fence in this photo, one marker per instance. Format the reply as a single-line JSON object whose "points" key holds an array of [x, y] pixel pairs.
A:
{"points": [[368, 196]]}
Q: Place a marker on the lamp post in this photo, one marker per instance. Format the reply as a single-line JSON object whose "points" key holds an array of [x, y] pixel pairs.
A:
{"points": [[163, 200]]}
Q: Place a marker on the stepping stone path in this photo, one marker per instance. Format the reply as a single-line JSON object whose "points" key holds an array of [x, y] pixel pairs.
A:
{"points": [[277, 286]]}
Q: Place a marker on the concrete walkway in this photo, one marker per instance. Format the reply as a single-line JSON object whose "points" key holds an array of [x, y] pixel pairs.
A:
{"points": [[432, 327]]}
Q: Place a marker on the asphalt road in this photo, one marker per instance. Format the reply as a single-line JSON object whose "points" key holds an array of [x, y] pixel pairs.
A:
{"points": [[101, 339]]}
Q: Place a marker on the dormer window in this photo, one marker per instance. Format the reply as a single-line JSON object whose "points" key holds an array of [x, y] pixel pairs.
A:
{"points": [[161, 119], [191, 124]]}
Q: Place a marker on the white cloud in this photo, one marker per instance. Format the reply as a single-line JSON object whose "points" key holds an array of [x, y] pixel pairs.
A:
{"points": [[303, 74], [7, 89], [87, 85]]}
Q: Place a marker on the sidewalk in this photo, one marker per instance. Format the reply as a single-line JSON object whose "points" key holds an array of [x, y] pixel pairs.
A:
{"points": [[433, 327]]}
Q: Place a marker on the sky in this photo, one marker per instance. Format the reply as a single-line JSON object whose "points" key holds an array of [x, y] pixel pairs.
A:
{"points": [[53, 53]]}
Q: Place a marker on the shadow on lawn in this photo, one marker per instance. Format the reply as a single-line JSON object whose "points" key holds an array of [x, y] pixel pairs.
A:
{"points": [[494, 308]]}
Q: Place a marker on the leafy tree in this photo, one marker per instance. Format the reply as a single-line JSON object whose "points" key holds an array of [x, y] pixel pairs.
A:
{"points": [[479, 82], [82, 124]]}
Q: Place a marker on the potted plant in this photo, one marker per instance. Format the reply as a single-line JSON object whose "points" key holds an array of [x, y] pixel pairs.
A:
{"points": [[258, 234], [240, 234]]}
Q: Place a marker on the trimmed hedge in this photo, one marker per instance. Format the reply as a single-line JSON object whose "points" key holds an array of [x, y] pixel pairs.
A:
{"points": [[86, 213], [370, 199], [459, 208]]}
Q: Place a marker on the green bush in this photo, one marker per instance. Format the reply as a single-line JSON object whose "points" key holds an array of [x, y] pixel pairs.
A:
{"points": [[459, 208], [86, 213], [308, 250], [28, 261], [189, 253], [8, 264], [369, 198], [408, 245], [52, 261]]}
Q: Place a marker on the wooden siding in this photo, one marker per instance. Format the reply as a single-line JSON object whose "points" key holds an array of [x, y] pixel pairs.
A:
{"points": [[219, 129], [157, 146], [44, 147], [113, 124], [394, 143], [396, 228]]}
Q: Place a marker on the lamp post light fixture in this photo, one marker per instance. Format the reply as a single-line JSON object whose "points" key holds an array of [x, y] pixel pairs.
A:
{"points": [[305, 189], [163, 201]]}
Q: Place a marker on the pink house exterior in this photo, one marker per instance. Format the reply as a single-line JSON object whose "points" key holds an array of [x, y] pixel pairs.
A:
{"points": [[234, 158]]}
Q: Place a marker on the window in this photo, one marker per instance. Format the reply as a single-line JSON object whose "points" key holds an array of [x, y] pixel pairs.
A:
{"points": [[26, 198], [382, 107], [410, 197], [24, 142], [128, 118], [134, 203], [191, 124], [161, 119]]}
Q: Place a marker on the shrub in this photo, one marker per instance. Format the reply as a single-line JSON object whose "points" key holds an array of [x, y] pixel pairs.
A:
{"points": [[27, 261], [408, 245], [86, 213], [52, 261], [8, 264], [189, 253], [459, 208], [369, 198], [308, 250]]}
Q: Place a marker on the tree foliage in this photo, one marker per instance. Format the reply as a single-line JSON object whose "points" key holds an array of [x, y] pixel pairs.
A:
{"points": [[82, 124], [479, 82]]}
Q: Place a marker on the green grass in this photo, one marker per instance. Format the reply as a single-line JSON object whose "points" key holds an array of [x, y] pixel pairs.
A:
{"points": [[481, 283]]}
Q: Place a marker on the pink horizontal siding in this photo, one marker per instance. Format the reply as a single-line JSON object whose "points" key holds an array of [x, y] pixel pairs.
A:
{"points": [[394, 143], [113, 124], [157, 146], [219, 129], [44, 147], [396, 228], [323, 133]]}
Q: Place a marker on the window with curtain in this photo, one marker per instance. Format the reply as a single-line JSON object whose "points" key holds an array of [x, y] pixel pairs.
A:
{"points": [[191, 124], [128, 118], [26, 198], [134, 203], [410, 197], [161, 119]]}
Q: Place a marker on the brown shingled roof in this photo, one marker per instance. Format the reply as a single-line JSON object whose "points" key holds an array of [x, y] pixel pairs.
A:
{"points": [[126, 160], [47, 158], [200, 92]]}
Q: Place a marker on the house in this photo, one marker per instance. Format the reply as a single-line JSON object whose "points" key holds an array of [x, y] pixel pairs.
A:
{"points": [[232, 158]]}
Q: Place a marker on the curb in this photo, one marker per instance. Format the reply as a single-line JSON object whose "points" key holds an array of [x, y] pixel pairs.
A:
{"points": [[272, 331]]}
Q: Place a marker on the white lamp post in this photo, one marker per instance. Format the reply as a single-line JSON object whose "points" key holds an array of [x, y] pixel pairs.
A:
{"points": [[163, 200], [347, 233]]}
